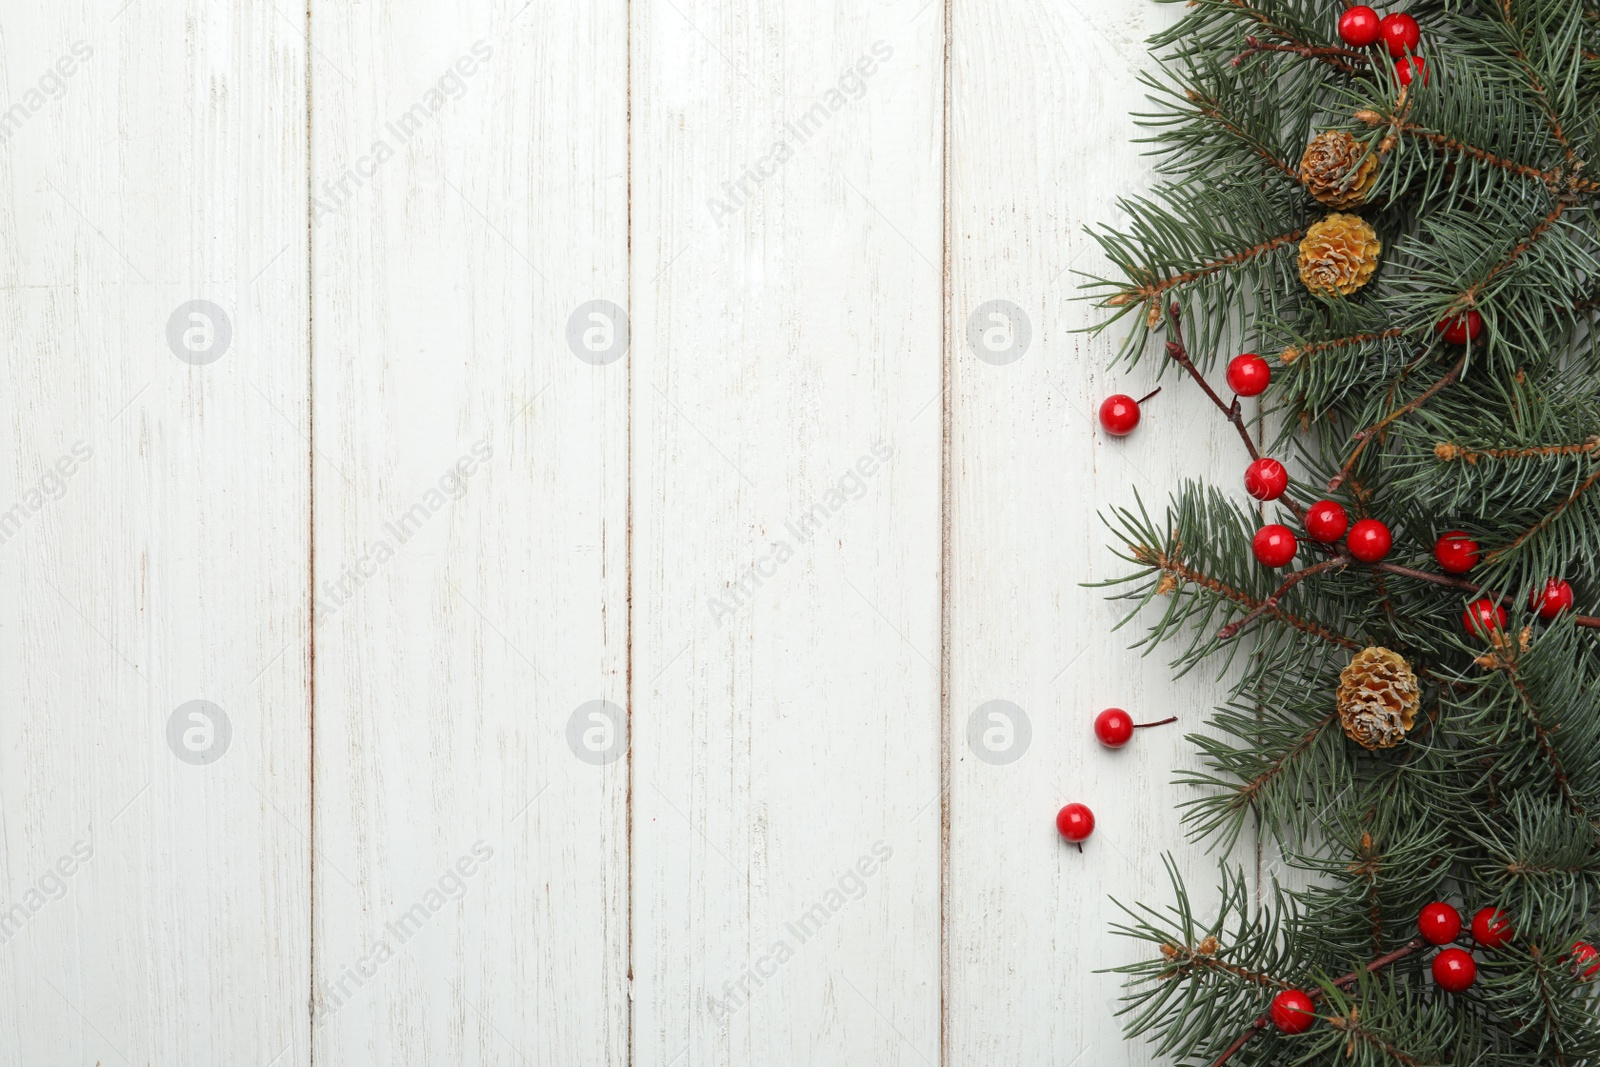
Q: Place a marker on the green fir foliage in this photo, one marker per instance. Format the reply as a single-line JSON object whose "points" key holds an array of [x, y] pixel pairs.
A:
{"points": [[1485, 200]]}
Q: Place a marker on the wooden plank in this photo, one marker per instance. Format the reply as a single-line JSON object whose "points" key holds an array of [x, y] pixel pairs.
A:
{"points": [[153, 536], [1029, 915], [786, 570], [470, 170]]}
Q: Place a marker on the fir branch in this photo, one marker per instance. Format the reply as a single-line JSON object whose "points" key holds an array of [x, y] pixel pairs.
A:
{"points": [[1341, 59], [1544, 523], [1153, 289], [1364, 436], [1294, 352], [1330, 56], [1470, 297], [1181, 571], [1447, 452], [1248, 790], [1228, 632], [1556, 179], [1211, 109], [1342, 982]]}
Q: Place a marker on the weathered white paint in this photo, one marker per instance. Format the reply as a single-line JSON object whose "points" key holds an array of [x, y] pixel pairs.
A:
{"points": [[164, 163], [745, 533]]}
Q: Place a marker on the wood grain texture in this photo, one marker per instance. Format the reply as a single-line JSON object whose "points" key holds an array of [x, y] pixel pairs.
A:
{"points": [[786, 234], [471, 493], [1039, 148], [153, 536]]}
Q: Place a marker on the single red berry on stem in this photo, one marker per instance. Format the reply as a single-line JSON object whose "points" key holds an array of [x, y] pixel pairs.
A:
{"points": [[1457, 329], [1454, 969], [1075, 822], [1274, 545], [1439, 923], [1401, 33], [1491, 928], [1248, 375], [1119, 414], [1292, 1012], [1326, 521], [1265, 479], [1405, 72], [1483, 617], [1583, 953], [1370, 540], [1358, 27], [1456, 552], [1553, 599], [1114, 727]]}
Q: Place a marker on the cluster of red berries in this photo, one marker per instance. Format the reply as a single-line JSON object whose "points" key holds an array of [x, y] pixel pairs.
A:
{"points": [[1360, 27], [1248, 375], [1369, 541], [1454, 969], [1114, 728]]}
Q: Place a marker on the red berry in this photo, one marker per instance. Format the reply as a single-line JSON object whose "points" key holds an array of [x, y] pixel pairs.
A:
{"points": [[1454, 969], [1370, 540], [1292, 1012], [1358, 27], [1458, 329], [1274, 545], [1119, 414], [1265, 479], [1075, 822], [1456, 552], [1439, 923], [1582, 953], [1491, 928], [1404, 71], [1248, 375], [1401, 33], [1553, 599], [1114, 727], [1483, 616], [1326, 521]]}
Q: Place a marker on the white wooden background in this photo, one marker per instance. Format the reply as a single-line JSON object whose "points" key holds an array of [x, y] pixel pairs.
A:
{"points": [[588, 683]]}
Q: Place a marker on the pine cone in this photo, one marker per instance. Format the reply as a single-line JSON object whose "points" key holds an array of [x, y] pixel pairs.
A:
{"points": [[1378, 698], [1338, 170], [1338, 255]]}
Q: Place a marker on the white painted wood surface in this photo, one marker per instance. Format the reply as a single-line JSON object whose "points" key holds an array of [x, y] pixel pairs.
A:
{"points": [[576, 531], [159, 908]]}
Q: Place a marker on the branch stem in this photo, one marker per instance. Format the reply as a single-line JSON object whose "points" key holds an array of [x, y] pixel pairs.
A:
{"points": [[1229, 631]]}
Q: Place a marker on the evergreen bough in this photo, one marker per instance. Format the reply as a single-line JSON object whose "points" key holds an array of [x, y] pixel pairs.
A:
{"points": [[1484, 200]]}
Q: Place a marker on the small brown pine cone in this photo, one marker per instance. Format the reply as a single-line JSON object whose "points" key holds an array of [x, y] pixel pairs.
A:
{"points": [[1338, 170], [1338, 255], [1378, 698]]}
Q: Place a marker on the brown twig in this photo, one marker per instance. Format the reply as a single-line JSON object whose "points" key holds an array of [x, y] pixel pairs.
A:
{"points": [[1182, 571], [1342, 982], [1447, 452], [1588, 621], [1552, 178], [1364, 436], [1151, 290], [1229, 631], [1179, 354], [1210, 110], [1339, 58], [1294, 352]]}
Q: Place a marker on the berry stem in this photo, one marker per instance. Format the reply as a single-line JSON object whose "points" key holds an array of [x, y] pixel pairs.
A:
{"points": [[1180, 355], [1148, 395], [1159, 722], [1342, 982]]}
